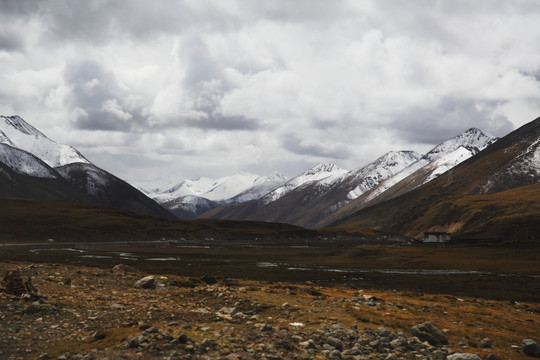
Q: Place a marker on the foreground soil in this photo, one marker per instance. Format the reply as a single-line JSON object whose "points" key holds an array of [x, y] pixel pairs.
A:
{"points": [[97, 313]]}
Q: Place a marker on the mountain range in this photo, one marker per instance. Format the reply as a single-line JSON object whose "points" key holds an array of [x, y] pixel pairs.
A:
{"points": [[313, 197], [472, 185]]}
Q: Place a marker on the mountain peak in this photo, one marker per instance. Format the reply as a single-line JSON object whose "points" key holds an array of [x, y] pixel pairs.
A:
{"points": [[17, 123], [473, 139], [14, 131], [324, 168]]}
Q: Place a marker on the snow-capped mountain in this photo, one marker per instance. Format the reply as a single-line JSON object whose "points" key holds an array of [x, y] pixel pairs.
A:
{"points": [[381, 169], [222, 189], [319, 195], [189, 198], [25, 163], [506, 174], [471, 142], [262, 186], [324, 173], [312, 195], [47, 170], [18, 133]]}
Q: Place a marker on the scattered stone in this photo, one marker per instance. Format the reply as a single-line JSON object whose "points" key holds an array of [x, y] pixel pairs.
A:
{"points": [[429, 332], [530, 348], [209, 279], [335, 343], [99, 335], [147, 282], [126, 268], [208, 343], [486, 343], [463, 356], [183, 339], [39, 308], [492, 357], [310, 344]]}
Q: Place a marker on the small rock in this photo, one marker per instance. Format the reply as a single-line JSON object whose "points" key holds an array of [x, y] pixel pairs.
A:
{"points": [[336, 343], [209, 279], [147, 282], [463, 356], [429, 332], [530, 348], [133, 343], [208, 343], [310, 344], [117, 306], [486, 343], [151, 330], [183, 339], [125, 268], [492, 357], [39, 308], [335, 355]]}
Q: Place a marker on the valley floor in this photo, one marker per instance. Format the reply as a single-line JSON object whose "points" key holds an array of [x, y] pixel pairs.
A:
{"points": [[96, 313]]}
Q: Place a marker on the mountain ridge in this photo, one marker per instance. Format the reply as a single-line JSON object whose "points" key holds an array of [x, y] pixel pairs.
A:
{"points": [[36, 167], [318, 203], [491, 172]]}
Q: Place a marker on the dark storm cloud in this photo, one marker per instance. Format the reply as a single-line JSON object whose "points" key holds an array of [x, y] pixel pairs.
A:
{"points": [[206, 84], [18, 7], [294, 144], [102, 21], [98, 100], [432, 125], [10, 41], [219, 121]]}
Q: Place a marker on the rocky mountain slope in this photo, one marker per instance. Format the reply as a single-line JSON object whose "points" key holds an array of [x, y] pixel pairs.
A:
{"points": [[317, 203], [488, 188], [35, 167]]}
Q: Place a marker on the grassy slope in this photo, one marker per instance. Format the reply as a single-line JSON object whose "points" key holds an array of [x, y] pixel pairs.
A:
{"points": [[511, 215], [31, 220]]}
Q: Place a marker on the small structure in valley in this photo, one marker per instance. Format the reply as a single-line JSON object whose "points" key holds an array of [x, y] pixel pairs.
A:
{"points": [[436, 237]]}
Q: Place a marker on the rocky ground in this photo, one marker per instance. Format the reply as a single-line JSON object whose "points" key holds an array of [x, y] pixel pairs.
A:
{"points": [[51, 311]]}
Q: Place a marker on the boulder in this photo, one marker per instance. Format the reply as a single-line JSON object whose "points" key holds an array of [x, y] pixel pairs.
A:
{"points": [[486, 343], [209, 279], [147, 282], [429, 332], [530, 348]]}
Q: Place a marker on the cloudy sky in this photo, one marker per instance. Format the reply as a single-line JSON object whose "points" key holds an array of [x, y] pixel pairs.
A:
{"points": [[207, 88]]}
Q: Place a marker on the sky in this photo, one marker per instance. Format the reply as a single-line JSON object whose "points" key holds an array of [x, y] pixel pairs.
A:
{"points": [[183, 89]]}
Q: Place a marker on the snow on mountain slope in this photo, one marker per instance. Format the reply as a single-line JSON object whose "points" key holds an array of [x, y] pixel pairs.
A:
{"points": [[324, 173], [219, 189], [447, 162], [473, 140], [25, 163], [384, 167], [189, 207], [232, 185], [18, 133], [263, 186]]}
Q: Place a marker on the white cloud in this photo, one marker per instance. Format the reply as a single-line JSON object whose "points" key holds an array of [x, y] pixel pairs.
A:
{"points": [[214, 87]]}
